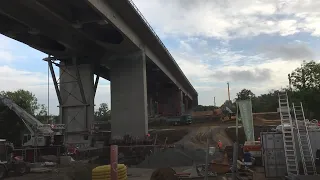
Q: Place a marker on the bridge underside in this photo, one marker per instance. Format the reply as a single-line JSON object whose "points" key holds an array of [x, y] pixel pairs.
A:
{"points": [[86, 42]]}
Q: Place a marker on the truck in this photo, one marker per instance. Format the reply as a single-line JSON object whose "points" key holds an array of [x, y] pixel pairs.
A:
{"points": [[185, 119], [9, 162], [38, 134]]}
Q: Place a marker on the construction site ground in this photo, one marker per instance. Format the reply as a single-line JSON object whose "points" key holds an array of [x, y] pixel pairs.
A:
{"points": [[190, 144], [83, 172]]}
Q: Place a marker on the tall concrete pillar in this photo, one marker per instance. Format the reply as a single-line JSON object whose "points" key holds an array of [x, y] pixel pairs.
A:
{"points": [[76, 101], [171, 101], [129, 96], [150, 106]]}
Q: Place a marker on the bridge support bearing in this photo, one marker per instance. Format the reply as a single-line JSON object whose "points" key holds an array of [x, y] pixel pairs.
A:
{"points": [[75, 91], [129, 114]]}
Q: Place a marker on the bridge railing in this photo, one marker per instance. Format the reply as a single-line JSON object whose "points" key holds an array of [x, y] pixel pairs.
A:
{"points": [[155, 34]]}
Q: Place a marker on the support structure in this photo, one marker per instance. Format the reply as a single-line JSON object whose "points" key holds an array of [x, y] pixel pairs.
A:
{"points": [[173, 102], [75, 90], [129, 113]]}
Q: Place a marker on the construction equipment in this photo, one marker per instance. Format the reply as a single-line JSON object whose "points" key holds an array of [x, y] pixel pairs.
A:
{"points": [[185, 119], [8, 162], [288, 137], [40, 134], [307, 159], [228, 115]]}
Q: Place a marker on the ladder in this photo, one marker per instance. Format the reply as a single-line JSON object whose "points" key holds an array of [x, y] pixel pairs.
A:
{"points": [[304, 141], [288, 136]]}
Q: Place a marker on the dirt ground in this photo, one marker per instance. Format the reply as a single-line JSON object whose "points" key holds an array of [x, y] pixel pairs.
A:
{"points": [[133, 174], [190, 136]]}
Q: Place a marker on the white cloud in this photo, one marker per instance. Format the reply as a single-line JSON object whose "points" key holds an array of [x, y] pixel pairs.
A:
{"points": [[6, 56], [231, 19], [12, 79], [258, 73]]}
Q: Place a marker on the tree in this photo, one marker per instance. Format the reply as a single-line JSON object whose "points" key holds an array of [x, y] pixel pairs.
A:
{"points": [[307, 76], [245, 94], [204, 108], [103, 113], [11, 125], [42, 114], [25, 99], [306, 87]]}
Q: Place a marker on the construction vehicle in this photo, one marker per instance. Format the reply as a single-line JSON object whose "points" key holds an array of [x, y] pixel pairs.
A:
{"points": [[39, 134], [185, 119], [8, 162], [228, 115]]}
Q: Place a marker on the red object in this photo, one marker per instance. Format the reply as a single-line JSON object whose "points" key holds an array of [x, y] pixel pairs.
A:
{"points": [[114, 162]]}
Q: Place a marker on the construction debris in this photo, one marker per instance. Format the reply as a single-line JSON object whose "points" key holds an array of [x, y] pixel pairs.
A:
{"points": [[164, 173]]}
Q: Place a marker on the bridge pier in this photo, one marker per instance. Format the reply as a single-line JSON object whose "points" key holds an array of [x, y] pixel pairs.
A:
{"points": [[170, 101], [129, 113], [75, 92]]}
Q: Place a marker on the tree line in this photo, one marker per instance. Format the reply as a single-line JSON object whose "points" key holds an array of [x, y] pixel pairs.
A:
{"points": [[28, 101], [11, 125], [303, 86]]}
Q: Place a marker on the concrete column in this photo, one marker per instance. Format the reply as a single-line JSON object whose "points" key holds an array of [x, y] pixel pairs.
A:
{"points": [[151, 107], [171, 101], [77, 102], [129, 96], [186, 104]]}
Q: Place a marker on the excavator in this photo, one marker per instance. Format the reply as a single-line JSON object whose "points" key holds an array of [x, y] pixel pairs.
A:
{"points": [[39, 134], [228, 115]]}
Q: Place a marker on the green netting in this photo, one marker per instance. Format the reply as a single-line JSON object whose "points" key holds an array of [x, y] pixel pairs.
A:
{"points": [[245, 108]]}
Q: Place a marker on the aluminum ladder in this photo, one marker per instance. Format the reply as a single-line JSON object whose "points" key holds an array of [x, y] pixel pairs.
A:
{"points": [[307, 159], [288, 136]]}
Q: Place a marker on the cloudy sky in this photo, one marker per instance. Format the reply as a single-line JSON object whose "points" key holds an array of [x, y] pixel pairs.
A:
{"points": [[252, 44]]}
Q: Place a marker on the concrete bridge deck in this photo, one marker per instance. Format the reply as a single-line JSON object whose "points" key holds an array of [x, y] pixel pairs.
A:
{"points": [[108, 38]]}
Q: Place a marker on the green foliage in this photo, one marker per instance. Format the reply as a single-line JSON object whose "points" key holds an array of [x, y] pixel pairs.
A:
{"points": [[25, 99], [245, 94], [204, 108], [11, 125], [306, 77], [103, 113], [306, 87], [305, 81]]}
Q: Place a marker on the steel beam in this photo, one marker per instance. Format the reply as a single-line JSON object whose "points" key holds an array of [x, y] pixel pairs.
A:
{"points": [[79, 80], [54, 79]]}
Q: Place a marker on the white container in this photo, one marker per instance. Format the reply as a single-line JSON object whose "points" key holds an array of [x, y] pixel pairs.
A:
{"points": [[273, 156], [212, 150]]}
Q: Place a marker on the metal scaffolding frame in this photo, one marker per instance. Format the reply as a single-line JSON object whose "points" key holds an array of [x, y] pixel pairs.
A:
{"points": [[58, 85]]}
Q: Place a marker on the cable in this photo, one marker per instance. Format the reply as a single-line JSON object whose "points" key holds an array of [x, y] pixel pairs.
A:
{"points": [[48, 91]]}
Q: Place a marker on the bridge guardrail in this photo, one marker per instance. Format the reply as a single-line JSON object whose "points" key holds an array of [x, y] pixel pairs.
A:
{"points": [[155, 34]]}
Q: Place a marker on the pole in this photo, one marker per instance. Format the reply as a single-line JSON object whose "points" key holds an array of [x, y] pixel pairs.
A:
{"points": [[228, 91], [235, 148], [114, 162], [207, 159], [290, 82], [48, 119], [214, 101]]}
